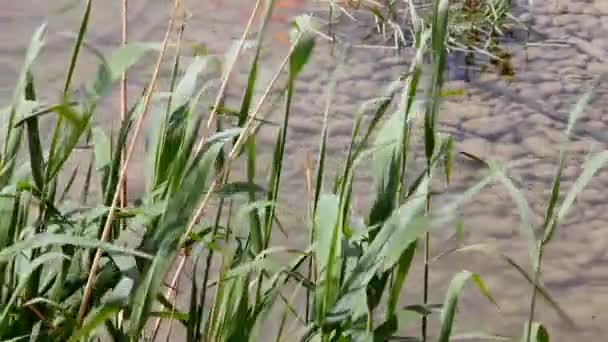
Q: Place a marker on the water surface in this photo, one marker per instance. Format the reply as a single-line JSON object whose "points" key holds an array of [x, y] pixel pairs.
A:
{"points": [[518, 119]]}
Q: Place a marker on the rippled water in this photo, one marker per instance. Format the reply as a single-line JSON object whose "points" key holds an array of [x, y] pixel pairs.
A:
{"points": [[516, 120]]}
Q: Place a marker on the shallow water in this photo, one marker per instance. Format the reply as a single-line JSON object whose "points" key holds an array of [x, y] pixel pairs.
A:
{"points": [[518, 120]]}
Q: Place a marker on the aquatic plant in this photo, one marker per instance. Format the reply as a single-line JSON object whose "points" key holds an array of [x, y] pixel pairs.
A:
{"points": [[77, 264]]}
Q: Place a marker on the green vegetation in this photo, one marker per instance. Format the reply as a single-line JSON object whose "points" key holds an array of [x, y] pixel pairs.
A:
{"points": [[75, 270]]}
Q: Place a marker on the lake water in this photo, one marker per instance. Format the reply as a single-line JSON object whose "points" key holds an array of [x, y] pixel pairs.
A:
{"points": [[519, 120]]}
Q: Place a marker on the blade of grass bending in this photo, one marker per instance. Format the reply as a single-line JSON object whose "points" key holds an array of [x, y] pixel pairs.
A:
{"points": [[289, 307], [451, 300], [525, 214], [41, 111], [491, 250], [181, 163], [383, 105], [551, 222], [589, 169], [110, 218]]}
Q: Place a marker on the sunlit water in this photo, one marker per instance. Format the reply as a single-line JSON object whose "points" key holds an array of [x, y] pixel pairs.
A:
{"points": [[517, 120]]}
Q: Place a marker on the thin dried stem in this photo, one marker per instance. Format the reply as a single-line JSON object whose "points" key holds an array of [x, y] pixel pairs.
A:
{"points": [[237, 145], [173, 287], [220, 94], [123, 114], [108, 224], [241, 139], [171, 291]]}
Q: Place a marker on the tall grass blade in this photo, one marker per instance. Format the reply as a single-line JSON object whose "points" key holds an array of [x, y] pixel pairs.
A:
{"points": [[590, 167], [439, 35], [525, 214], [438, 51], [491, 250], [328, 240], [299, 57], [195, 313], [79, 40], [320, 177], [451, 300], [255, 228], [551, 221], [403, 267]]}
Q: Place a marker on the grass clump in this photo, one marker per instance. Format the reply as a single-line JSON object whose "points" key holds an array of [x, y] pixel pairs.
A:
{"points": [[75, 271]]}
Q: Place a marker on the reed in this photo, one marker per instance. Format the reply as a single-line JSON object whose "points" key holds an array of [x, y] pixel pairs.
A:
{"points": [[73, 271]]}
